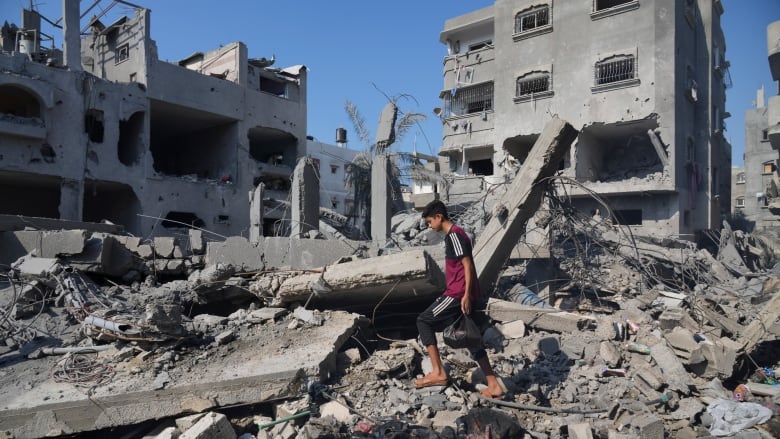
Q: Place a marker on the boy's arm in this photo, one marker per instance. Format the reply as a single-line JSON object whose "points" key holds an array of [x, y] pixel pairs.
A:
{"points": [[468, 272]]}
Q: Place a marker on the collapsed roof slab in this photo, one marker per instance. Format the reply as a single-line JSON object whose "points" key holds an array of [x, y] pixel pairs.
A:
{"points": [[252, 372], [410, 274]]}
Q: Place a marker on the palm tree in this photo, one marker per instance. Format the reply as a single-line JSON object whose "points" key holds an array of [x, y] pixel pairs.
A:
{"points": [[406, 165]]}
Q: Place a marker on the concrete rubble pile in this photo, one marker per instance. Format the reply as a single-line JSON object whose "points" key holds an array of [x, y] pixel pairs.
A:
{"points": [[605, 334]]}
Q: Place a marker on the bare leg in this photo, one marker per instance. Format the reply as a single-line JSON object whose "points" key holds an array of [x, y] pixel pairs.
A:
{"points": [[438, 374], [494, 389]]}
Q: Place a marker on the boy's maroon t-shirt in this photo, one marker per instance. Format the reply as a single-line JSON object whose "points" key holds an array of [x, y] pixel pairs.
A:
{"points": [[457, 245]]}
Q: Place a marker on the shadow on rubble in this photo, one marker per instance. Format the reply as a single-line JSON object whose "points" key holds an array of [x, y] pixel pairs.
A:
{"points": [[538, 378]]}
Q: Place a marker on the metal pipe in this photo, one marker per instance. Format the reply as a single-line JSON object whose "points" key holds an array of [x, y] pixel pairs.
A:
{"points": [[77, 349], [285, 419], [122, 328]]}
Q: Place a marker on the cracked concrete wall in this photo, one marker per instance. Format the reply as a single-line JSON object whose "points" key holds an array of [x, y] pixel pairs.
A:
{"points": [[673, 44], [96, 145]]}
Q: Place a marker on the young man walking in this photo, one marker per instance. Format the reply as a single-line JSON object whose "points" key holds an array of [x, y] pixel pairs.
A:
{"points": [[461, 294]]}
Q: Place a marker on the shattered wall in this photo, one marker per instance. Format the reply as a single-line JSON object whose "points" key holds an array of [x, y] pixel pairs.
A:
{"points": [[134, 138]]}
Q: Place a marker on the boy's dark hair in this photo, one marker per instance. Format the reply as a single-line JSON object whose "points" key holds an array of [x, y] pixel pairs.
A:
{"points": [[435, 207]]}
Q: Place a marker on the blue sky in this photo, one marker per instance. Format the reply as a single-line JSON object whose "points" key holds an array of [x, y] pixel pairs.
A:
{"points": [[355, 48]]}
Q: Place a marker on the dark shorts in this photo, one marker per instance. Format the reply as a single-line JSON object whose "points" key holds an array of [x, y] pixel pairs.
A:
{"points": [[441, 313]]}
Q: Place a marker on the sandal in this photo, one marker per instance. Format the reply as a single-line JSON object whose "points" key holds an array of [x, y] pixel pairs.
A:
{"points": [[421, 383]]}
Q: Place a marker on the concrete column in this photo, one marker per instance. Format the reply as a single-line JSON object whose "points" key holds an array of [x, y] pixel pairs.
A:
{"points": [[305, 198], [381, 204], [71, 199], [71, 46], [256, 214]]}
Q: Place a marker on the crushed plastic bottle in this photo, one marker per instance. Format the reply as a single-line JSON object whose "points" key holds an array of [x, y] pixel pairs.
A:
{"points": [[637, 347]]}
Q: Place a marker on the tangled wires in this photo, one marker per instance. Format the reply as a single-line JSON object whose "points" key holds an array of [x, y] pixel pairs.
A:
{"points": [[81, 370]]}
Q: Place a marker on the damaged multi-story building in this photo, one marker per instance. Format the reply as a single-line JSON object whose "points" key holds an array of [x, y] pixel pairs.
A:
{"points": [[105, 130], [644, 80], [756, 184]]}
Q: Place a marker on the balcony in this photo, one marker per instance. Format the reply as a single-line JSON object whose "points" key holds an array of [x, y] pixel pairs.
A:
{"points": [[31, 128]]}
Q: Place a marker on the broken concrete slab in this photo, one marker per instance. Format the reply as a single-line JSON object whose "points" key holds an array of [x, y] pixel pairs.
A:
{"points": [[684, 345], [63, 243], [210, 426], [304, 253], [236, 251], [757, 329], [521, 201], [103, 254], [675, 375], [539, 318], [410, 274], [579, 431], [261, 375], [14, 245]]}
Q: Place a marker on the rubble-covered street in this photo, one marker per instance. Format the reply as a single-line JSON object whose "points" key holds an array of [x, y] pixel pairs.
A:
{"points": [[613, 335]]}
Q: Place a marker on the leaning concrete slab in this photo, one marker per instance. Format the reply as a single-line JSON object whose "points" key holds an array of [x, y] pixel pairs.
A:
{"points": [[548, 319], [305, 198], [411, 274], [494, 245], [261, 368]]}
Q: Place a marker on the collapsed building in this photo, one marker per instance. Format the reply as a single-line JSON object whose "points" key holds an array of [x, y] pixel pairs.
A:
{"points": [[652, 139], [314, 338], [614, 336], [107, 131]]}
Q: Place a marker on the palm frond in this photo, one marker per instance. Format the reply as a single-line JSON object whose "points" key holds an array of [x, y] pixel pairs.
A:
{"points": [[407, 122], [358, 122]]}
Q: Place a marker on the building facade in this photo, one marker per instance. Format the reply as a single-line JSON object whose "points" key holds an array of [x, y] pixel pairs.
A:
{"points": [[643, 80], [332, 162], [760, 172], [113, 133]]}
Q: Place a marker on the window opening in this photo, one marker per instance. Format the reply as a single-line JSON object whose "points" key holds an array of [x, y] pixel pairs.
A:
{"points": [[481, 45], [740, 202], [176, 219], [614, 69], [334, 169], [469, 100], [741, 178], [769, 167], [481, 167], [130, 145], [628, 217], [122, 53], [600, 5], [531, 83], [278, 88], [536, 17], [93, 125]]}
